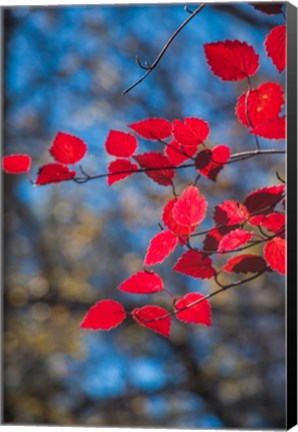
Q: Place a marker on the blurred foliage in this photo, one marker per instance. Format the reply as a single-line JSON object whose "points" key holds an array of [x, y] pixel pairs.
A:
{"points": [[67, 246]]}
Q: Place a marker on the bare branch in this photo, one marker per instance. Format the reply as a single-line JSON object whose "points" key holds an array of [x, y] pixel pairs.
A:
{"points": [[149, 68]]}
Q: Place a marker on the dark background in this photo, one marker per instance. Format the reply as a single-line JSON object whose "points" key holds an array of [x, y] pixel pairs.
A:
{"points": [[67, 246]]}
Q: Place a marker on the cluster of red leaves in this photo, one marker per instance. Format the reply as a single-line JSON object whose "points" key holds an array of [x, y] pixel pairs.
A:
{"points": [[237, 226], [184, 138], [107, 314], [66, 150], [260, 108], [234, 228]]}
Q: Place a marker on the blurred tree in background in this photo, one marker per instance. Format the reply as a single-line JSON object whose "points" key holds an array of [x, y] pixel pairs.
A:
{"points": [[67, 246]]}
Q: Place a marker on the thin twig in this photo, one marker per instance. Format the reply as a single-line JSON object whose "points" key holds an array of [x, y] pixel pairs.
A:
{"points": [[174, 190], [246, 112], [280, 178], [197, 179], [149, 68]]}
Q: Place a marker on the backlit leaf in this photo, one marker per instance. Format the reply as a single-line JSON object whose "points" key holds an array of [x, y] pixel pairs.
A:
{"points": [[211, 162], [153, 317], [272, 129], [274, 222], [275, 254], [104, 315], [260, 105], [153, 129], [161, 246], [142, 283], [175, 153], [231, 60], [54, 173], [16, 163], [234, 239], [196, 264], [190, 133], [121, 144], [117, 170], [214, 237], [246, 263], [170, 222], [68, 149], [153, 161], [199, 313], [230, 213], [275, 45], [262, 201], [190, 207]]}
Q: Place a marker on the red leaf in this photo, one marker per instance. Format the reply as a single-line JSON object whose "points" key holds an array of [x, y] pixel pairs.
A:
{"points": [[191, 133], [268, 8], [275, 45], [169, 221], [211, 162], [53, 173], [274, 222], [260, 105], [68, 149], [175, 153], [190, 207], [142, 283], [196, 264], [161, 246], [214, 237], [199, 313], [152, 129], [230, 213], [262, 201], [275, 254], [234, 239], [16, 163], [231, 60], [152, 318], [272, 129], [246, 263], [104, 315], [121, 144], [154, 161], [198, 127], [119, 166]]}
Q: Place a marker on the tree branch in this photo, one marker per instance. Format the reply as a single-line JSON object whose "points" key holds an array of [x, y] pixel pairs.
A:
{"points": [[208, 296], [234, 158]]}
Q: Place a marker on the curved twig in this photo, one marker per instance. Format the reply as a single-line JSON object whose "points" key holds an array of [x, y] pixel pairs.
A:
{"points": [[149, 68], [186, 8], [280, 178], [140, 64]]}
